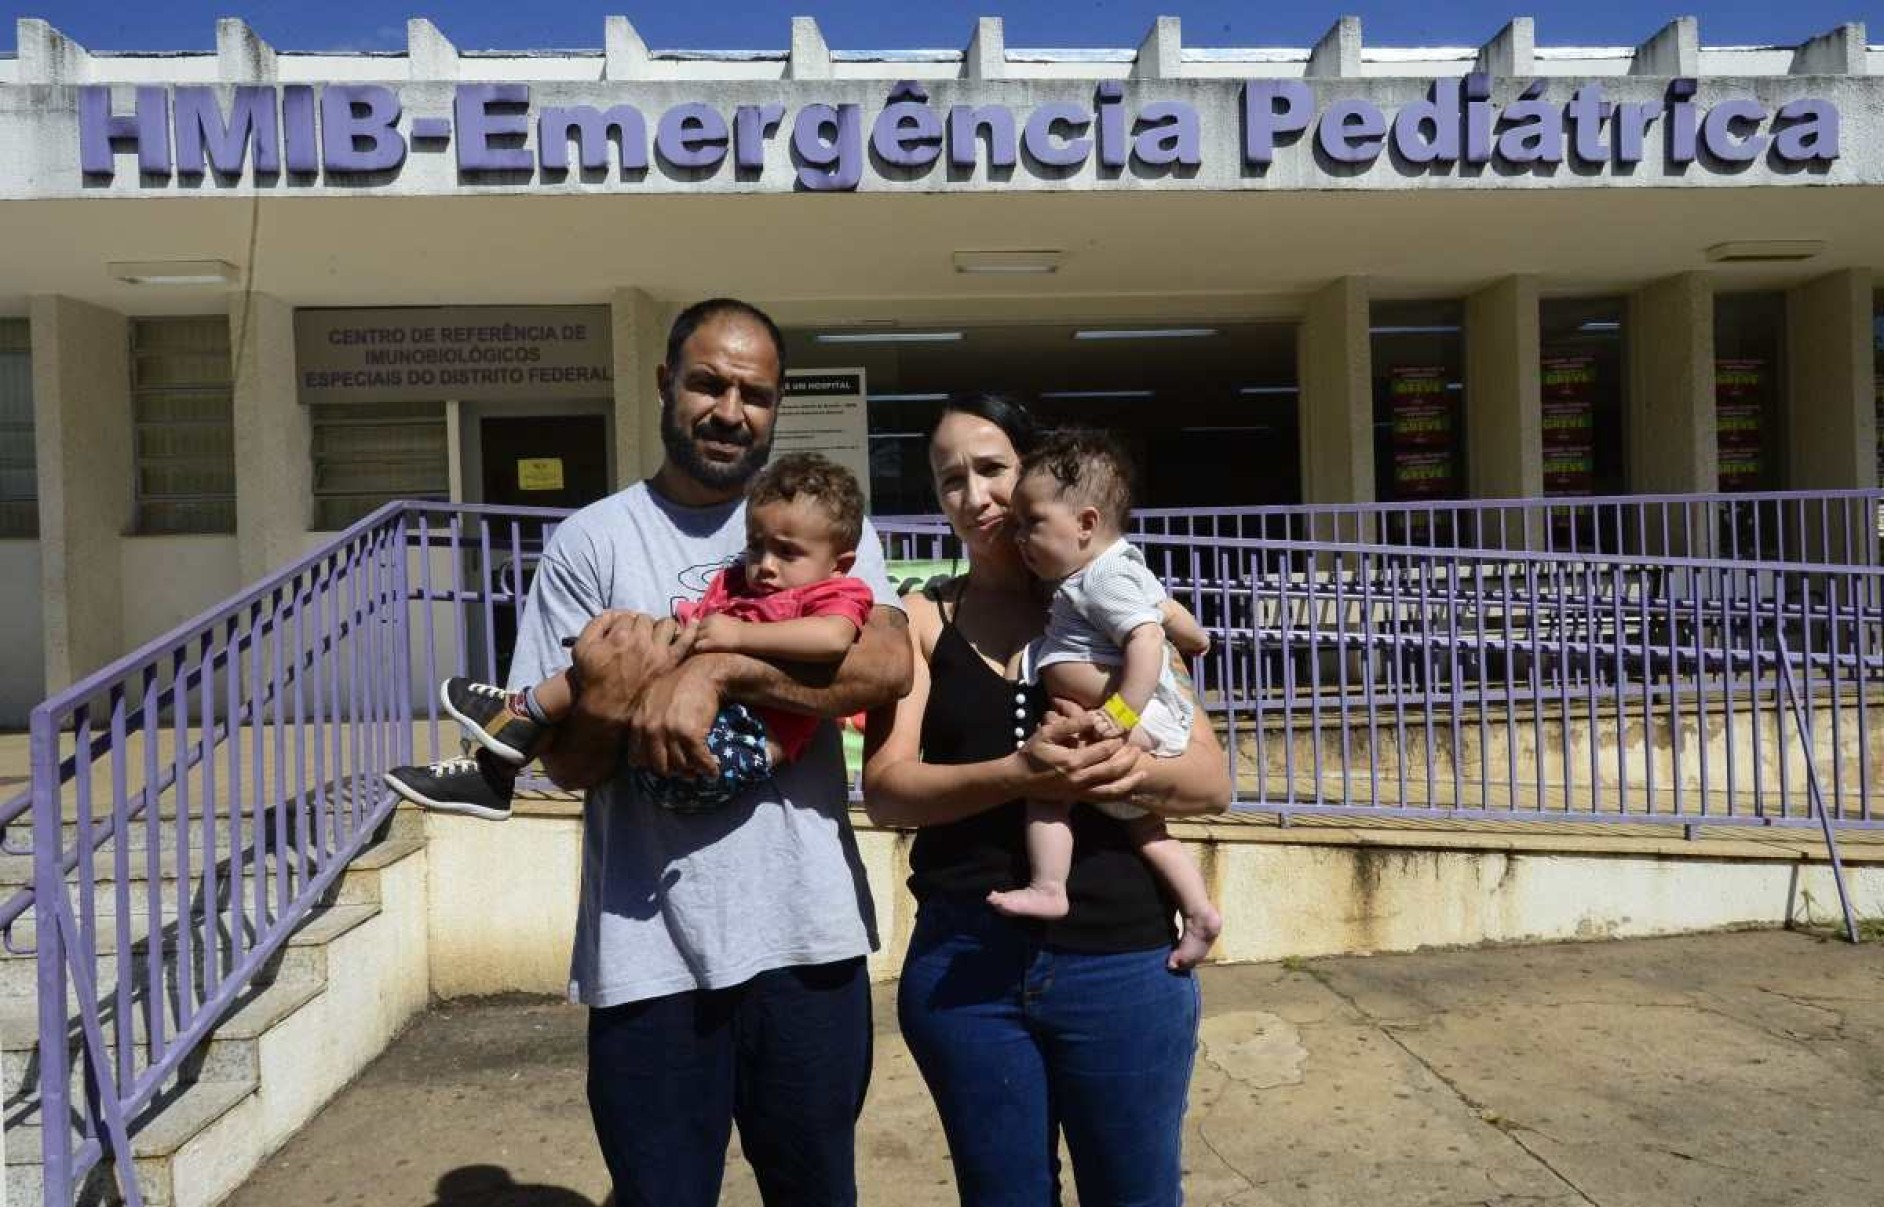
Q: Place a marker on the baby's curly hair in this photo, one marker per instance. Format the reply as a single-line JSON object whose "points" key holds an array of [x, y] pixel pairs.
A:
{"points": [[1089, 468], [829, 484]]}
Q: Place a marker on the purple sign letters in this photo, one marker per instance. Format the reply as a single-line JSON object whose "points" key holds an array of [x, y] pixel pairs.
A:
{"points": [[362, 131]]}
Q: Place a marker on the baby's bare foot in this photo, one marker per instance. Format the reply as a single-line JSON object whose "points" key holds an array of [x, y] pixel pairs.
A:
{"points": [[1200, 931], [1034, 901]]}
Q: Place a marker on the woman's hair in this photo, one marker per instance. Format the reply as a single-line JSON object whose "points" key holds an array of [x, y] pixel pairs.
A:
{"points": [[1002, 410], [832, 487]]}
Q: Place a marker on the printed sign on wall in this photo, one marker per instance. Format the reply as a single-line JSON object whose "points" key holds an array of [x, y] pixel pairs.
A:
{"points": [[464, 353], [1425, 436], [1569, 425], [1739, 405], [823, 412]]}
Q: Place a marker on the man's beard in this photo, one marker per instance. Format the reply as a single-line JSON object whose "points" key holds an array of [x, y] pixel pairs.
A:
{"points": [[717, 475]]}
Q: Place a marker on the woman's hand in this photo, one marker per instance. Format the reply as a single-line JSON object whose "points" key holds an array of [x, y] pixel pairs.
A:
{"points": [[1070, 762]]}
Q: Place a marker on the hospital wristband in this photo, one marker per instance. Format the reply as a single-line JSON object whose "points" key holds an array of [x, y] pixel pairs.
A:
{"points": [[1121, 712]]}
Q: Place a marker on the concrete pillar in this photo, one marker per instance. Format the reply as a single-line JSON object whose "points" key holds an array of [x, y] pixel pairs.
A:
{"points": [[1503, 407], [83, 444], [639, 337], [1831, 413], [1831, 422], [274, 459], [1670, 424], [1335, 370], [1504, 436]]}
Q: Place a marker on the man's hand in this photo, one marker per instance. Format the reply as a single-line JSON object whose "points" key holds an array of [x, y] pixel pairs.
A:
{"points": [[615, 658], [668, 724]]}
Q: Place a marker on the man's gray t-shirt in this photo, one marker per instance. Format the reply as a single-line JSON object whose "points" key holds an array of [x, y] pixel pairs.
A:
{"points": [[678, 901]]}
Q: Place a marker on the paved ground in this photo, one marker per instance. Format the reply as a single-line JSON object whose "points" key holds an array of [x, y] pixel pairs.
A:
{"points": [[1722, 1070]]}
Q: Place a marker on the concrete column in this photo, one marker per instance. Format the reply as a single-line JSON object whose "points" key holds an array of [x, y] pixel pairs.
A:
{"points": [[1335, 370], [1503, 408], [274, 459], [83, 443], [1670, 424], [1831, 412], [1831, 422], [639, 337]]}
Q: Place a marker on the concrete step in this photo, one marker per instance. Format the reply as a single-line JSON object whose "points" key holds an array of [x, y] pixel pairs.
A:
{"points": [[16, 870], [300, 955], [194, 1145], [172, 1123], [16, 853], [229, 1054]]}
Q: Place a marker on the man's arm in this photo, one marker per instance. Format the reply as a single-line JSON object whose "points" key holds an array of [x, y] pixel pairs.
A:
{"points": [[615, 658], [668, 725]]}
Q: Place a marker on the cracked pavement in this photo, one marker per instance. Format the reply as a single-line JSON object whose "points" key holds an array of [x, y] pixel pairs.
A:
{"points": [[1725, 1070]]}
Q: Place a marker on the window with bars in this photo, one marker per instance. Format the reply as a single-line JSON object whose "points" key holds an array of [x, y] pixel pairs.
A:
{"points": [[19, 485], [365, 456], [183, 403]]}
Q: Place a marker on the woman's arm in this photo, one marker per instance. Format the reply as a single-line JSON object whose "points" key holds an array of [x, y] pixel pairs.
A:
{"points": [[1197, 781], [901, 790]]}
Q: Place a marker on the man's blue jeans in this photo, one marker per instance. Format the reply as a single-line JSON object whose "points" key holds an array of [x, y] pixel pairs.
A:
{"points": [[786, 1055], [1019, 1041]]}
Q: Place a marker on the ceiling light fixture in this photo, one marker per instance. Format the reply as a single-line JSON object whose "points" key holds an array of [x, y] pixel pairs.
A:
{"points": [[1150, 333], [172, 272], [1599, 325], [888, 337], [908, 397], [1267, 390], [1021, 262], [1099, 394], [1763, 251], [1433, 329]]}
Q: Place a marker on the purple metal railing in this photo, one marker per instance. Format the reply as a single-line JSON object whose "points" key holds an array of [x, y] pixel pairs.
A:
{"points": [[1806, 527], [194, 802]]}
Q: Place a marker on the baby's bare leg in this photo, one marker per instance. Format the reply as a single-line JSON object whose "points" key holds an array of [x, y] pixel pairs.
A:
{"points": [[1180, 873], [554, 697], [1050, 854]]}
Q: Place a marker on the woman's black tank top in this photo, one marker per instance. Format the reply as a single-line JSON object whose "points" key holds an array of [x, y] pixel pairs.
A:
{"points": [[975, 715]]}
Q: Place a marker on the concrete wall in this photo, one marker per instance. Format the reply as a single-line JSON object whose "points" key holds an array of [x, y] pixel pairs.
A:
{"points": [[23, 654], [273, 455], [82, 435], [639, 339], [176, 577], [1322, 895]]}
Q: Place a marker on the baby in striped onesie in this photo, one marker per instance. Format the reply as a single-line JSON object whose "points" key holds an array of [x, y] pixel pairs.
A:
{"points": [[1104, 650]]}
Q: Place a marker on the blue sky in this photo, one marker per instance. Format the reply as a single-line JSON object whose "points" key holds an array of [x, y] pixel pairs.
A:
{"points": [[876, 24]]}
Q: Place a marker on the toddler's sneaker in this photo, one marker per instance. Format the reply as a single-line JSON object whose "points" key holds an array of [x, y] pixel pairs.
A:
{"points": [[492, 717], [456, 786]]}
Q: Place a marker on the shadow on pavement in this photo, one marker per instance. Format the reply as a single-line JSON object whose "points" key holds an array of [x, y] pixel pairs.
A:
{"points": [[492, 1186]]}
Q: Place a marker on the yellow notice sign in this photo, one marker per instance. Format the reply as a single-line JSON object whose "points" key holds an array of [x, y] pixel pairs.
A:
{"points": [[540, 473]]}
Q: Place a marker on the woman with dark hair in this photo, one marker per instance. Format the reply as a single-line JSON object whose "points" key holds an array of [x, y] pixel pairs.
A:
{"points": [[1026, 1029]]}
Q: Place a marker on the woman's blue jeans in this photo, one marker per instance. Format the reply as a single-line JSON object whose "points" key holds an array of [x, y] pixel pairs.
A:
{"points": [[1019, 1042]]}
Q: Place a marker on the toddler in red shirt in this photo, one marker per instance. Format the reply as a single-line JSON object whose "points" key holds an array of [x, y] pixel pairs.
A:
{"points": [[790, 598]]}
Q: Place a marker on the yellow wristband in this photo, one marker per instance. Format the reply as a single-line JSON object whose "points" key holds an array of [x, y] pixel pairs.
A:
{"points": [[1116, 708]]}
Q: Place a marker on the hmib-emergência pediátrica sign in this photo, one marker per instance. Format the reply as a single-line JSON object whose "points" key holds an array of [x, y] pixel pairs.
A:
{"points": [[363, 133]]}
